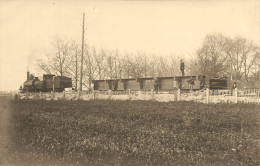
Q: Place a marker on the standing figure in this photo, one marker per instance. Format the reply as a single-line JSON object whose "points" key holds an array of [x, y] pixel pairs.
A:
{"points": [[191, 83], [156, 84], [202, 82], [95, 85], [234, 86], [115, 84], [182, 68]]}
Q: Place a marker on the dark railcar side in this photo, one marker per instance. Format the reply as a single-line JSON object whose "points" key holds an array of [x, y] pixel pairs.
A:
{"points": [[163, 83], [218, 83]]}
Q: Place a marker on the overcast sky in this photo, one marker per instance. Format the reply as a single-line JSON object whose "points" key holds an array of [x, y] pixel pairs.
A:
{"points": [[27, 28]]}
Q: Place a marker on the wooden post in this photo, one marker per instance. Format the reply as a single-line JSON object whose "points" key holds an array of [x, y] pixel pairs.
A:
{"points": [[94, 94], [175, 97], [129, 93], [179, 95], [64, 95], [207, 95], [258, 97], [236, 95], [78, 94], [40, 95], [110, 94], [52, 95], [152, 94], [139, 93]]}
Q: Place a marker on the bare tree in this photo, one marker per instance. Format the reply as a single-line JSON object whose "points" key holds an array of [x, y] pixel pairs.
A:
{"points": [[174, 65], [110, 67], [211, 59], [90, 71], [58, 61], [243, 55], [126, 65], [154, 63], [75, 62], [118, 65], [250, 54], [100, 63], [139, 65], [163, 67]]}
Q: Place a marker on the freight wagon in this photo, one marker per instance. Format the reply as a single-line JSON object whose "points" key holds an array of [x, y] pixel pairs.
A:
{"points": [[148, 83], [163, 83]]}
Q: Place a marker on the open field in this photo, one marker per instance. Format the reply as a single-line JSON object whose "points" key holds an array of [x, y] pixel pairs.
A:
{"points": [[106, 132]]}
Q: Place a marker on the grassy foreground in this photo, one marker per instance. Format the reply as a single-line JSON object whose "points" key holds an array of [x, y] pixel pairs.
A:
{"points": [[136, 133]]}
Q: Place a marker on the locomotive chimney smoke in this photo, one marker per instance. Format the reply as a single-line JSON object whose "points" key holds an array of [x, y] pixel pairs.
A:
{"points": [[28, 75]]}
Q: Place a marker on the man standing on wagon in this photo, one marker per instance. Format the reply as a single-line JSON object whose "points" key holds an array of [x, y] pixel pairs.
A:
{"points": [[182, 67]]}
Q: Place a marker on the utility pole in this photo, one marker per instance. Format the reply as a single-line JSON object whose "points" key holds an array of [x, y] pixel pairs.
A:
{"points": [[76, 86], [82, 53]]}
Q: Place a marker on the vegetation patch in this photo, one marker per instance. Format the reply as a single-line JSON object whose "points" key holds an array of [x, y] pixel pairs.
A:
{"points": [[136, 133]]}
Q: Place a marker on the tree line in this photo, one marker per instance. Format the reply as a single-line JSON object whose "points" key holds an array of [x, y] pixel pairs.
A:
{"points": [[218, 56], [236, 57]]}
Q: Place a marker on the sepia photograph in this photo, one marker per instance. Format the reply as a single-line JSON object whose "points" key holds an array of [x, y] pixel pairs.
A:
{"points": [[130, 83]]}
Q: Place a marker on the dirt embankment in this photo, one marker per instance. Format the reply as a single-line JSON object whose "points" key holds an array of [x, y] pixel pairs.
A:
{"points": [[5, 131]]}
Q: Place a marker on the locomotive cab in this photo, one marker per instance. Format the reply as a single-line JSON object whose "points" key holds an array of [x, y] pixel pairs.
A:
{"points": [[50, 81]]}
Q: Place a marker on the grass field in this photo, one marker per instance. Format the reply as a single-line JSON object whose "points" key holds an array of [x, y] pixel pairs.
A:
{"points": [[135, 133]]}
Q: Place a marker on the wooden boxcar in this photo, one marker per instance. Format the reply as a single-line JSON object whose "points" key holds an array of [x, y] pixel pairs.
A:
{"points": [[162, 83]]}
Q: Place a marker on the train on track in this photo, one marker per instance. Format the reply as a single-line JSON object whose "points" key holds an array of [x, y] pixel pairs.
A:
{"points": [[59, 83], [49, 83], [163, 83]]}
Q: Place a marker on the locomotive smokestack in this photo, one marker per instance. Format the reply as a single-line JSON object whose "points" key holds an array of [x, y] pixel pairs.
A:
{"points": [[28, 75]]}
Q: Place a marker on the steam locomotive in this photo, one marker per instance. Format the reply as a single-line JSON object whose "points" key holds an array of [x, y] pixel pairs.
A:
{"points": [[163, 83], [49, 82]]}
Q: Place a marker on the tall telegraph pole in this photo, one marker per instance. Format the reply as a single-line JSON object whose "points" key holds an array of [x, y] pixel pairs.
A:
{"points": [[82, 53]]}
